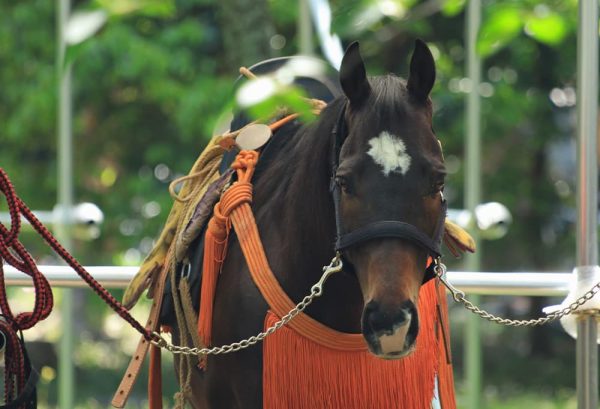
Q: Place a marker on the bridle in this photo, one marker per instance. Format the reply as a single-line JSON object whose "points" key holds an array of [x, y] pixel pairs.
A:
{"points": [[383, 228]]}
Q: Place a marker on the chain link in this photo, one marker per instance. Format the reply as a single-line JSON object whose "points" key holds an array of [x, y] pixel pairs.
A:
{"points": [[315, 291], [460, 297]]}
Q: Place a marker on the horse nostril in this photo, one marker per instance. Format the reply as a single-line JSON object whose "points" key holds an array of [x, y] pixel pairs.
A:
{"points": [[381, 321], [409, 307]]}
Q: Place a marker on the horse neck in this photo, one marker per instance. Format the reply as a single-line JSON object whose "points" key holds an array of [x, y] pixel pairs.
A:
{"points": [[292, 195], [297, 221]]}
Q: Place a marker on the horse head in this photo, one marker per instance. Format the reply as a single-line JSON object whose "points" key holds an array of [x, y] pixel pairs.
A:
{"points": [[389, 168]]}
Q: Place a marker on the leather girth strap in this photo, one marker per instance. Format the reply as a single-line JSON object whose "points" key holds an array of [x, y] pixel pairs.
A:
{"points": [[135, 365]]}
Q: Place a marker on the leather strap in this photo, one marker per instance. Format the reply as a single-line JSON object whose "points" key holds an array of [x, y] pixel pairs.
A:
{"points": [[135, 365], [389, 228], [155, 379]]}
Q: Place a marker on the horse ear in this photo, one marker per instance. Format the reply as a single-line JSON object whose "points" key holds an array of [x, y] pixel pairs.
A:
{"points": [[422, 72], [353, 76]]}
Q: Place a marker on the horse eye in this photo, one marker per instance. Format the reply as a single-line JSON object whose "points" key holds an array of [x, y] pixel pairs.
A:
{"points": [[438, 187], [344, 184]]}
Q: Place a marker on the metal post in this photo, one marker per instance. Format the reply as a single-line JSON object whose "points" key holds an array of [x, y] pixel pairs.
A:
{"points": [[587, 363], [587, 193], [65, 201], [587, 112], [472, 347], [305, 32]]}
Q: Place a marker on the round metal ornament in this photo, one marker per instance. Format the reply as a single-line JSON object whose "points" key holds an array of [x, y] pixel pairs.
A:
{"points": [[253, 137]]}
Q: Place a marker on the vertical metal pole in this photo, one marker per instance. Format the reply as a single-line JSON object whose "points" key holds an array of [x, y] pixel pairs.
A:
{"points": [[587, 193], [65, 201], [587, 363], [472, 199], [305, 32], [587, 112]]}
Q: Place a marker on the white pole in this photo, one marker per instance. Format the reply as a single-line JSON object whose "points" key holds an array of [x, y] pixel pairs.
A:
{"points": [[305, 31], [472, 347], [587, 194], [515, 283], [65, 201]]}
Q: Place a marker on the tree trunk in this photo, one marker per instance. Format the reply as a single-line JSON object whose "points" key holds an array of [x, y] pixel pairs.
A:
{"points": [[247, 28]]}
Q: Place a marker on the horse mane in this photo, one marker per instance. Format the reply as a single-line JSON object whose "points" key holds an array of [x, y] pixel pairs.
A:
{"points": [[292, 181]]}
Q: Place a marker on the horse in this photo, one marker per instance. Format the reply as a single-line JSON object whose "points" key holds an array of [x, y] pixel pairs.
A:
{"points": [[371, 156]]}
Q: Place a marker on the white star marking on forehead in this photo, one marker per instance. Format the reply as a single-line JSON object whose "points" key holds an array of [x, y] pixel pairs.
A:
{"points": [[389, 152]]}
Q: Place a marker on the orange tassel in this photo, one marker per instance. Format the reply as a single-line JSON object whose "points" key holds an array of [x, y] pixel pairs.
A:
{"points": [[155, 379], [299, 373], [215, 243]]}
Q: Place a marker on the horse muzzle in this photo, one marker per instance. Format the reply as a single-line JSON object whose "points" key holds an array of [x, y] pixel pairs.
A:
{"points": [[390, 332]]}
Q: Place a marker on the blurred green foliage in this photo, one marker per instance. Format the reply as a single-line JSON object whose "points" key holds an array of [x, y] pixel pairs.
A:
{"points": [[149, 87]]}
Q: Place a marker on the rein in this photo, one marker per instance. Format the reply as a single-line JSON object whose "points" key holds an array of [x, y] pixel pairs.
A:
{"points": [[383, 228], [9, 245], [19, 376]]}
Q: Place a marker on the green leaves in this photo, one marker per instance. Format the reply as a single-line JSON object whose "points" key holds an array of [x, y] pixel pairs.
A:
{"points": [[149, 8], [547, 27], [501, 26], [505, 22], [264, 97], [453, 7]]}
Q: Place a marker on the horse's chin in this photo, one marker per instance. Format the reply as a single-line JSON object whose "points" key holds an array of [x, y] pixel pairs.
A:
{"points": [[397, 355], [375, 349]]}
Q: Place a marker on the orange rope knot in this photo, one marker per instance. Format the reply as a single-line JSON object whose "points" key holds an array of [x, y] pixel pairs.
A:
{"points": [[245, 163]]}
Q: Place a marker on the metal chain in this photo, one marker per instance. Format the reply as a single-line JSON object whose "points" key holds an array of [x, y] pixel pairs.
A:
{"points": [[459, 297], [315, 291]]}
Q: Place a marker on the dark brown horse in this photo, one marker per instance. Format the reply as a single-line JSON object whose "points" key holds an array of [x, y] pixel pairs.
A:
{"points": [[389, 167]]}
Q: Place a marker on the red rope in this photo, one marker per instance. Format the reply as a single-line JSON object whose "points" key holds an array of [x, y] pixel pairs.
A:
{"points": [[14, 368], [13, 252]]}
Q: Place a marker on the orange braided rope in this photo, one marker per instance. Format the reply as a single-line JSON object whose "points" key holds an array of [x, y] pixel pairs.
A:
{"points": [[215, 243]]}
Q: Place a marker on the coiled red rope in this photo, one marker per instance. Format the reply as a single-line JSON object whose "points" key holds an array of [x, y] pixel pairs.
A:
{"points": [[15, 254]]}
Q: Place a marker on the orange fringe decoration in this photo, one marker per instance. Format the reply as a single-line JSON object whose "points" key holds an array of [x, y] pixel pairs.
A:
{"points": [[299, 373]]}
